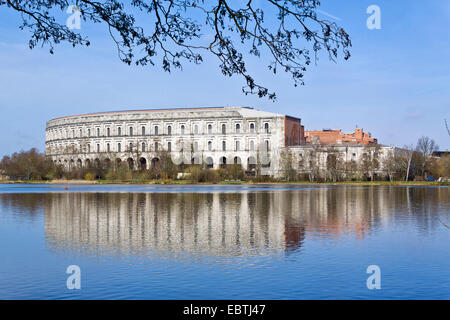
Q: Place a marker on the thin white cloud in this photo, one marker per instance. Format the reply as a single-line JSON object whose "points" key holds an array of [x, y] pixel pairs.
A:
{"points": [[328, 15]]}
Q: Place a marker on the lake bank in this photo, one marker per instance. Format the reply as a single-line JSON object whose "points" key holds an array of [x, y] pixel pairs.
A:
{"points": [[188, 182]]}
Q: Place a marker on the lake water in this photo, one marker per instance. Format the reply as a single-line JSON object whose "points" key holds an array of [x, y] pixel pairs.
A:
{"points": [[224, 242]]}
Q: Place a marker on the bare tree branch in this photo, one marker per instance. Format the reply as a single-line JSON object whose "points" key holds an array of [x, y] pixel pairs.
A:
{"points": [[287, 32]]}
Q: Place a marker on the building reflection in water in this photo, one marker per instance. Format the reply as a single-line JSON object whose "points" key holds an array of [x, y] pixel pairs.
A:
{"points": [[217, 223], [229, 224]]}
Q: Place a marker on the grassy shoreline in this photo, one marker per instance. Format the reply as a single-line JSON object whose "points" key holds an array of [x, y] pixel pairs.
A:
{"points": [[187, 182]]}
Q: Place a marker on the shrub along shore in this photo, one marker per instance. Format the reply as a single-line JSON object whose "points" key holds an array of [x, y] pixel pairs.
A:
{"points": [[227, 182], [33, 167]]}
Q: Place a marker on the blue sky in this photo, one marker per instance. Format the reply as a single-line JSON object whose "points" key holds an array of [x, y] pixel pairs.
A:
{"points": [[396, 84]]}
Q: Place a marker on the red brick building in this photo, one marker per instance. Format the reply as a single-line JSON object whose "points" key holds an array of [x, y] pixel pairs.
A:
{"points": [[337, 137]]}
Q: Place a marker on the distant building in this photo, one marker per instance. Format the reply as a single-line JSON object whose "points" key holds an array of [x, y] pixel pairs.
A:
{"points": [[3, 176], [337, 137], [441, 154]]}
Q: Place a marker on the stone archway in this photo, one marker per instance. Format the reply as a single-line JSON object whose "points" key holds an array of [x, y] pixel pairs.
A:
{"points": [[79, 164], [237, 160], [223, 162], [107, 163], [251, 163], [196, 161], [142, 164], [130, 163], [155, 162], [209, 162]]}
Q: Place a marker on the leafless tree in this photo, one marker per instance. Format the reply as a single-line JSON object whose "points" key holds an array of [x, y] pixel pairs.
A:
{"points": [[406, 159], [370, 161], [287, 165], [425, 146]]}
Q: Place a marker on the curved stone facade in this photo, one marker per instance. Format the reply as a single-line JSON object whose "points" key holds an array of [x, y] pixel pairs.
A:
{"points": [[215, 136]]}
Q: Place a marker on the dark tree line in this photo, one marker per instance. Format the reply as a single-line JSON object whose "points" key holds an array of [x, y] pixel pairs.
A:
{"points": [[288, 32], [29, 165]]}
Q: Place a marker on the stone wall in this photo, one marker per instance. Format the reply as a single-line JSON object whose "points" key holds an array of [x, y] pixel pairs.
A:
{"points": [[195, 135]]}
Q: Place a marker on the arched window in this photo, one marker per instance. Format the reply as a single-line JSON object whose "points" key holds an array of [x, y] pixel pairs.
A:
{"points": [[108, 131], [156, 130], [169, 130], [89, 132], [224, 129], [119, 147], [182, 129], [119, 131], [209, 162], [196, 129], [169, 146], [156, 146], [98, 132], [196, 146], [267, 145], [238, 145], [252, 145], [224, 146], [143, 130], [131, 131], [98, 147], [252, 127], [209, 128], [108, 148], [266, 127], [238, 128], [131, 146], [81, 133], [73, 133], [209, 145], [88, 148], [143, 146]]}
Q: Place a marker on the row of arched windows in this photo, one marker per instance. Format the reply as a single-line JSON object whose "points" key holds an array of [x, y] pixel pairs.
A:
{"points": [[169, 130], [194, 146]]}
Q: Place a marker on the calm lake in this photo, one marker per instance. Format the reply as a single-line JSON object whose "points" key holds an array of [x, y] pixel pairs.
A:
{"points": [[224, 242]]}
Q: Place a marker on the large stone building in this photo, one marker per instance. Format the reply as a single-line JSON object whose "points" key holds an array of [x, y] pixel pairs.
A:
{"points": [[215, 136]]}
